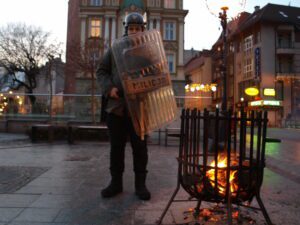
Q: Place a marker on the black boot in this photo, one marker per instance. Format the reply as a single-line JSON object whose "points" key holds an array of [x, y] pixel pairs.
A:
{"points": [[140, 187], [115, 187]]}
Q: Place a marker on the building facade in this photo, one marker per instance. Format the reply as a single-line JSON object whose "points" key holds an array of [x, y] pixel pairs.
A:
{"points": [[198, 70], [93, 25], [263, 52], [50, 80]]}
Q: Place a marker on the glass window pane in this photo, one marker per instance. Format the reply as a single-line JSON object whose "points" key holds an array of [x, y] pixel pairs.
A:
{"points": [[170, 4], [95, 28], [169, 31], [171, 62]]}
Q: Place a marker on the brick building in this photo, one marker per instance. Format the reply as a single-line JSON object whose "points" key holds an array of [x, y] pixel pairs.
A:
{"points": [[94, 24]]}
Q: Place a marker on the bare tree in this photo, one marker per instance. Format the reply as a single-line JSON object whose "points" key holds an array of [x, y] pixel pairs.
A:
{"points": [[24, 49], [84, 59]]}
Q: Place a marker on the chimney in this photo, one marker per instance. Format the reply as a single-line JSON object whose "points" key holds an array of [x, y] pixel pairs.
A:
{"points": [[256, 8]]}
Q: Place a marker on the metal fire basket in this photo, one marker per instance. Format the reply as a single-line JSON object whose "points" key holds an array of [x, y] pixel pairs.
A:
{"points": [[221, 159]]}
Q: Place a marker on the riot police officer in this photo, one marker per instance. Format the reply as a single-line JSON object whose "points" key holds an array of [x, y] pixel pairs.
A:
{"points": [[120, 124]]}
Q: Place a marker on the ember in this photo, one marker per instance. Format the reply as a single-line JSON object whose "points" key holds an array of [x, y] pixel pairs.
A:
{"points": [[235, 214], [215, 214]]}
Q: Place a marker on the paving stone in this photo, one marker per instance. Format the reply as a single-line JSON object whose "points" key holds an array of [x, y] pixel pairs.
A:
{"points": [[37, 215], [34, 223], [32, 189], [147, 217], [17, 200], [69, 192], [7, 214], [98, 216], [14, 177], [53, 201], [66, 215]]}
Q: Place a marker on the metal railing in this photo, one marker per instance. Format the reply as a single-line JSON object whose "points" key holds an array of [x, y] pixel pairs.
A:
{"points": [[292, 123], [285, 44], [65, 107]]}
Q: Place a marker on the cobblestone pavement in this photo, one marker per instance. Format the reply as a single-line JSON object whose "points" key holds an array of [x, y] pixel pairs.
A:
{"points": [[68, 191]]}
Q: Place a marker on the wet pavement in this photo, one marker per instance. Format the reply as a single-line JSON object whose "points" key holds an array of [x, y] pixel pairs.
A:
{"points": [[66, 189]]}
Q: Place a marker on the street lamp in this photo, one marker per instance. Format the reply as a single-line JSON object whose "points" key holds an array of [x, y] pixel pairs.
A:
{"points": [[234, 6], [223, 18], [214, 7]]}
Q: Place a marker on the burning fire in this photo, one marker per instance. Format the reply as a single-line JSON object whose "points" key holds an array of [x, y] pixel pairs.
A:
{"points": [[221, 176]]}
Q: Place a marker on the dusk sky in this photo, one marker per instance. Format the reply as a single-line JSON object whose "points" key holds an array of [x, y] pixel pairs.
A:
{"points": [[201, 27]]}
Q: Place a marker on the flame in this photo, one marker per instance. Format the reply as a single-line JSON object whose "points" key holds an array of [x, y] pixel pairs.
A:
{"points": [[221, 176]]}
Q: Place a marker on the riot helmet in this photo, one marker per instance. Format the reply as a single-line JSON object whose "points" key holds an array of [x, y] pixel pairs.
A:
{"points": [[133, 19]]}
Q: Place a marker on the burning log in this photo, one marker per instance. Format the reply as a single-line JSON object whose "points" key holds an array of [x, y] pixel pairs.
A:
{"points": [[222, 176]]}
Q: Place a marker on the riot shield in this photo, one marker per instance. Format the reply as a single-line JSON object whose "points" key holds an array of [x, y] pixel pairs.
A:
{"points": [[143, 70]]}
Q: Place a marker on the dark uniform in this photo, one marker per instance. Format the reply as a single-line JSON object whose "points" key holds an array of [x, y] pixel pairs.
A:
{"points": [[120, 128]]}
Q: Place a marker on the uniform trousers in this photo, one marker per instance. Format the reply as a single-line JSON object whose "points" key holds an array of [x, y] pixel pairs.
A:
{"points": [[120, 129]]}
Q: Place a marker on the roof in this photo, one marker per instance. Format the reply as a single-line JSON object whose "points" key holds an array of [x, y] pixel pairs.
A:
{"points": [[269, 13], [273, 13], [188, 54], [196, 62], [233, 26]]}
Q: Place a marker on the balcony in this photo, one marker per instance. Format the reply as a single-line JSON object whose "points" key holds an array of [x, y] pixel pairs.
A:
{"points": [[286, 47], [287, 74]]}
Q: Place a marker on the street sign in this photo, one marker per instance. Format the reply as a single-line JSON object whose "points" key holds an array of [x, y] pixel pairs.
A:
{"points": [[257, 63]]}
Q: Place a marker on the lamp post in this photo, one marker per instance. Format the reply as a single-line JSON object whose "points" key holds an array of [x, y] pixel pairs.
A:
{"points": [[214, 7], [223, 18]]}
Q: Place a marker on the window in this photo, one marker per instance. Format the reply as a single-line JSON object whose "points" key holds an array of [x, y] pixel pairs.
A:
{"points": [[284, 40], [220, 90], [285, 64], [169, 31], [95, 2], [171, 62], [151, 3], [279, 90], [170, 4], [231, 87], [180, 4], [154, 24], [248, 67], [297, 36], [230, 70], [238, 46], [231, 47], [95, 28], [257, 37], [248, 44]]}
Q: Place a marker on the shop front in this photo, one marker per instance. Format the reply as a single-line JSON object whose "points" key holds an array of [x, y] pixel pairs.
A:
{"points": [[274, 108]]}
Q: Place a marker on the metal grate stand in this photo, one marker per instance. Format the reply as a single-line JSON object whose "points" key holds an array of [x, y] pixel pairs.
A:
{"points": [[221, 159]]}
